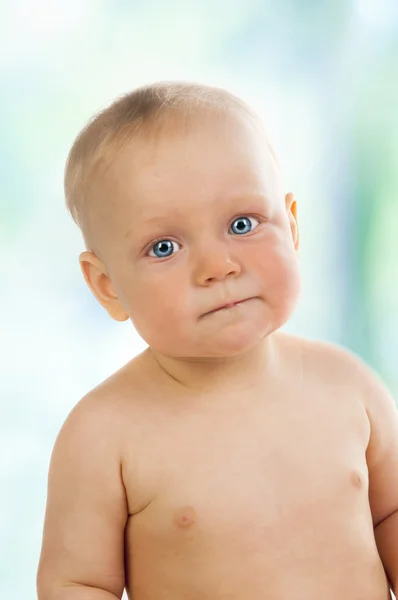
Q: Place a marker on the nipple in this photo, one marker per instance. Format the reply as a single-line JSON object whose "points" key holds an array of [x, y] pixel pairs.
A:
{"points": [[356, 479], [185, 517]]}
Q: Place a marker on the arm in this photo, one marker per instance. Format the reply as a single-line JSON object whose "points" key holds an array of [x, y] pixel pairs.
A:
{"points": [[76, 592], [382, 461], [82, 555]]}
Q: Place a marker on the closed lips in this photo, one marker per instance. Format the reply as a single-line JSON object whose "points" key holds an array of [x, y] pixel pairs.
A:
{"points": [[228, 305]]}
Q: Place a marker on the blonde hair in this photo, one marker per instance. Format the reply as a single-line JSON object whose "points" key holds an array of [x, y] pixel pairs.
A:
{"points": [[143, 109]]}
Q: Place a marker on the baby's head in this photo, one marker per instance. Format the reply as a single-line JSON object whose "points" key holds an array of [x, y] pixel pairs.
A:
{"points": [[179, 198]]}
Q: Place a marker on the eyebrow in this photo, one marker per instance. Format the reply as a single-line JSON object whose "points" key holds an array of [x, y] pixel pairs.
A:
{"points": [[150, 221], [165, 218]]}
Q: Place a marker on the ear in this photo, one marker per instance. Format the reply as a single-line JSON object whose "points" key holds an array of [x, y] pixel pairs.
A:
{"points": [[291, 209], [95, 274]]}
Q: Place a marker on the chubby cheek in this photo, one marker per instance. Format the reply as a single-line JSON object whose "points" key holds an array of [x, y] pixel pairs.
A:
{"points": [[157, 311], [279, 274]]}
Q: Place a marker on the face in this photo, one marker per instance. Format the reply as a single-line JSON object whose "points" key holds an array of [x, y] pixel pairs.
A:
{"points": [[202, 222]]}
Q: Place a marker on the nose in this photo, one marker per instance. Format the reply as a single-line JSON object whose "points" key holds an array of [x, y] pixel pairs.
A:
{"points": [[215, 264]]}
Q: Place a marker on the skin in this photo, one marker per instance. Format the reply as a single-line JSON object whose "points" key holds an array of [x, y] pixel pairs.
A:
{"points": [[228, 460], [201, 183]]}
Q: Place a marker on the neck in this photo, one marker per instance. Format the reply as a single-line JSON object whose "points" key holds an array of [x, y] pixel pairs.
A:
{"points": [[230, 374]]}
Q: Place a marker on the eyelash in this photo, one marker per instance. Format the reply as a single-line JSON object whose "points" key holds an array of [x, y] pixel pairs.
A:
{"points": [[160, 239]]}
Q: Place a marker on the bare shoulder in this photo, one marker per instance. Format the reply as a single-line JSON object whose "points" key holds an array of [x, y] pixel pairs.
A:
{"points": [[322, 353], [87, 508], [334, 365], [332, 362], [110, 398], [105, 419]]}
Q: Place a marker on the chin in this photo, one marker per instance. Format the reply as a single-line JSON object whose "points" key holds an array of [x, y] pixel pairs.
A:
{"points": [[231, 343]]}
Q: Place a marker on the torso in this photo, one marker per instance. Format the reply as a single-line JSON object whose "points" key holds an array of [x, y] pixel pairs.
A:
{"points": [[262, 499]]}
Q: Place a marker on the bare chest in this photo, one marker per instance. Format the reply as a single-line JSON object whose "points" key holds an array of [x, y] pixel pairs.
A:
{"points": [[252, 496], [242, 469]]}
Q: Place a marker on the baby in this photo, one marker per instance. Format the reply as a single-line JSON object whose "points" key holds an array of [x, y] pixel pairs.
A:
{"points": [[228, 460]]}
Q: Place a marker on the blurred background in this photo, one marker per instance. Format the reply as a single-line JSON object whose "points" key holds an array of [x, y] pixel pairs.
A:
{"points": [[324, 76]]}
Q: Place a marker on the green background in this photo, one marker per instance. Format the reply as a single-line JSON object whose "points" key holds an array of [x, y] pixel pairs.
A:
{"points": [[324, 76]]}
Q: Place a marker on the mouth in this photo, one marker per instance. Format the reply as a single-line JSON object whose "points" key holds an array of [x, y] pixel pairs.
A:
{"points": [[226, 306]]}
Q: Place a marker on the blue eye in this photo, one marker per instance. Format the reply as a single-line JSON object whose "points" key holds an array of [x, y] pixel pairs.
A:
{"points": [[241, 226], [164, 247]]}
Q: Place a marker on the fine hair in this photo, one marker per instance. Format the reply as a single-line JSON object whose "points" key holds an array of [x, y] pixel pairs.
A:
{"points": [[141, 113]]}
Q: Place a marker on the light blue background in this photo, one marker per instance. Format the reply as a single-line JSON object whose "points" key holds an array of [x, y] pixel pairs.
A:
{"points": [[324, 76]]}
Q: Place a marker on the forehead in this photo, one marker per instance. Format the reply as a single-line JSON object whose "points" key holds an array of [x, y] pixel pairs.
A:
{"points": [[209, 164]]}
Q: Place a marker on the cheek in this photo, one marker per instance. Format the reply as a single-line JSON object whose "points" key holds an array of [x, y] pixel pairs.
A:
{"points": [[152, 300], [287, 282], [278, 268], [157, 304]]}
